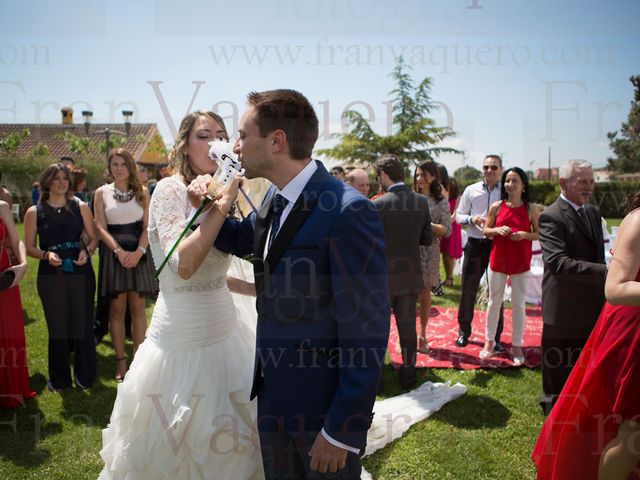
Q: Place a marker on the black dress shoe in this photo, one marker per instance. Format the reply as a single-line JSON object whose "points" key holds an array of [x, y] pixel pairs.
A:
{"points": [[462, 341], [408, 384], [498, 348]]}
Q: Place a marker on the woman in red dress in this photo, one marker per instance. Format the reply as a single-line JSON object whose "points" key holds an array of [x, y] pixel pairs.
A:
{"points": [[593, 431], [512, 223], [14, 375]]}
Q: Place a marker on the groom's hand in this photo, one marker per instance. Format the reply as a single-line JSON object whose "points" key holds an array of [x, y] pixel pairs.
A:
{"points": [[326, 457]]}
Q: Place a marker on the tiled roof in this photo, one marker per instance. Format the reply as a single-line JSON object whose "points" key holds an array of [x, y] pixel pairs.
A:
{"points": [[51, 135]]}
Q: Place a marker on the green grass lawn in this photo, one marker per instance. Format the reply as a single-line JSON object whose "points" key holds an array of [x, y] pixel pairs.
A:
{"points": [[488, 433]]}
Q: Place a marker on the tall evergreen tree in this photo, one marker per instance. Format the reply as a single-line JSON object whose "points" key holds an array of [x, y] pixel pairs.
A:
{"points": [[415, 133], [625, 142]]}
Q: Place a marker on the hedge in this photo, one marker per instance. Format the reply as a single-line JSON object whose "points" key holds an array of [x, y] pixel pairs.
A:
{"points": [[609, 197]]}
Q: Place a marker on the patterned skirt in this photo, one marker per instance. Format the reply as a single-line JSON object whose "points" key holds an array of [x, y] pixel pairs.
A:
{"points": [[113, 278], [430, 264]]}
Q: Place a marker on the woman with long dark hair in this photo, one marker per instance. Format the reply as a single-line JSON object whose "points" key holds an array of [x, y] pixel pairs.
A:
{"points": [[593, 430], [512, 222], [66, 282], [426, 181], [125, 272]]}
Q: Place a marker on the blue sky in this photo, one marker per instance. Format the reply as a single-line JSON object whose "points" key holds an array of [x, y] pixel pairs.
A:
{"points": [[513, 77]]}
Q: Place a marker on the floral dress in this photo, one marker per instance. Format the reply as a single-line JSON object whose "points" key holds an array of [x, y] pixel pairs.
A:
{"points": [[430, 256]]}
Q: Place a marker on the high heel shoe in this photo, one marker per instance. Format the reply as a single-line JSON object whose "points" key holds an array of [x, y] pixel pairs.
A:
{"points": [[518, 360], [423, 347], [120, 376], [484, 354], [488, 351]]}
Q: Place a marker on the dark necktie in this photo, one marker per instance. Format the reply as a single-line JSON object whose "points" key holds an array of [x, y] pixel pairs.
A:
{"points": [[583, 216], [279, 204]]}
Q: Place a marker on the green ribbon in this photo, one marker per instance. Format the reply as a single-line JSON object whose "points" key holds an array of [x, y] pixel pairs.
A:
{"points": [[184, 232]]}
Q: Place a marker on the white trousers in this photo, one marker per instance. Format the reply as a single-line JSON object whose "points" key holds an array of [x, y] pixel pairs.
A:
{"points": [[497, 284]]}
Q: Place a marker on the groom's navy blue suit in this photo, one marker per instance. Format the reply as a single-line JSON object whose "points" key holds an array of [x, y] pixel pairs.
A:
{"points": [[323, 318]]}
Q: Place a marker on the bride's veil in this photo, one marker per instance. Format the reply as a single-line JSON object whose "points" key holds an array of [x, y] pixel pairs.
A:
{"points": [[245, 305]]}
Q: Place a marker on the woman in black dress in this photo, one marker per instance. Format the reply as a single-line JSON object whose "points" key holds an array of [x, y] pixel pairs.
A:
{"points": [[66, 283]]}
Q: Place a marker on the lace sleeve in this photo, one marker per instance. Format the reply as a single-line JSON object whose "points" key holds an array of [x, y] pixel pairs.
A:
{"points": [[168, 212]]}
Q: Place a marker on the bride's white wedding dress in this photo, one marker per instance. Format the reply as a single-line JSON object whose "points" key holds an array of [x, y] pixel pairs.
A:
{"points": [[183, 410]]}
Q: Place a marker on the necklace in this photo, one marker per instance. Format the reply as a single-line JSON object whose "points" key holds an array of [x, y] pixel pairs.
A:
{"points": [[57, 209], [122, 197]]}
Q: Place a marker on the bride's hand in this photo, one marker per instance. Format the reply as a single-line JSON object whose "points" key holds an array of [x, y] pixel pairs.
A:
{"points": [[197, 189]]}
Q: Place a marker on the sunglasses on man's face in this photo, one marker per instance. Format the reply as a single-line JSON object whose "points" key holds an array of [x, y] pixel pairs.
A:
{"points": [[490, 167]]}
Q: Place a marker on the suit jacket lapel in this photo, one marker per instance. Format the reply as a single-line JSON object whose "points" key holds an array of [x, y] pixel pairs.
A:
{"points": [[292, 224], [302, 208], [570, 211], [596, 225], [263, 220]]}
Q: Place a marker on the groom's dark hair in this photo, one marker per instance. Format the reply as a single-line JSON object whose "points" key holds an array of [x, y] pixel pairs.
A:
{"points": [[290, 111]]}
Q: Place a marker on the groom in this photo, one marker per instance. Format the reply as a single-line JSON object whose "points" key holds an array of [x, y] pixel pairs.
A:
{"points": [[322, 298]]}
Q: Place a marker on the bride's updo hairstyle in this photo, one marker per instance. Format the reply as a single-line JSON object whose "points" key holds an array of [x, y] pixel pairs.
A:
{"points": [[178, 159]]}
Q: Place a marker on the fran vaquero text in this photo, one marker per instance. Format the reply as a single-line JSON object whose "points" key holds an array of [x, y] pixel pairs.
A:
{"points": [[445, 57]]}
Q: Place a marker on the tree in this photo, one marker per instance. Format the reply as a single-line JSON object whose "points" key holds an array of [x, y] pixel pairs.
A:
{"points": [[466, 174], [76, 144], [40, 150], [416, 134], [9, 143], [625, 143]]}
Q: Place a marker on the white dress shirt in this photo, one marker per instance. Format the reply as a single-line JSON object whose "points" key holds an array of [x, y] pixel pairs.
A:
{"points": [[291, 192], [575, 206], [475, 201]]}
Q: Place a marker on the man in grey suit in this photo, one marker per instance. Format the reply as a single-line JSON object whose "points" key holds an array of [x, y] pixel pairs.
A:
{"points": [[574, 275], [407, 224]]}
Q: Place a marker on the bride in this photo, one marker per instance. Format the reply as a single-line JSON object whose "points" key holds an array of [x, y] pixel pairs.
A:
{"points": [[183, 410]]}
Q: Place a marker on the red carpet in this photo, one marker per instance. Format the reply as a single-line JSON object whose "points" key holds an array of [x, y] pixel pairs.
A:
{"points": [[442, 331]]}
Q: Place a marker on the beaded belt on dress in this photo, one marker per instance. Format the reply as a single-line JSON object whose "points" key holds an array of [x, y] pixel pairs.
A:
{"points": [[65, 246], [198, 287]]}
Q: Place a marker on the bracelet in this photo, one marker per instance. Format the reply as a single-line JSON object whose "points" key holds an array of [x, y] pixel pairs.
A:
{"points": [[45, 255], [219, 209], [116, 250], [142, 249]]}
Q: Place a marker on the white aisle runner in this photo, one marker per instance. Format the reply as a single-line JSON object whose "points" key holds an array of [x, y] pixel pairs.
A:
{"points": [[393, 416]]}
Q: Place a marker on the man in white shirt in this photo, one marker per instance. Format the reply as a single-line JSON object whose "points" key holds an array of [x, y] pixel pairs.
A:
{"points": [[472, 212]]}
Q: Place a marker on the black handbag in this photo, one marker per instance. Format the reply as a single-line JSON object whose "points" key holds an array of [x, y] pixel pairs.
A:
{"points": [[6, 279]]}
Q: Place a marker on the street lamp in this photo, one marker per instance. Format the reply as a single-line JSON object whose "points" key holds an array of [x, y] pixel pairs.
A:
{"points": [[107, 132], [86, 114]]}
